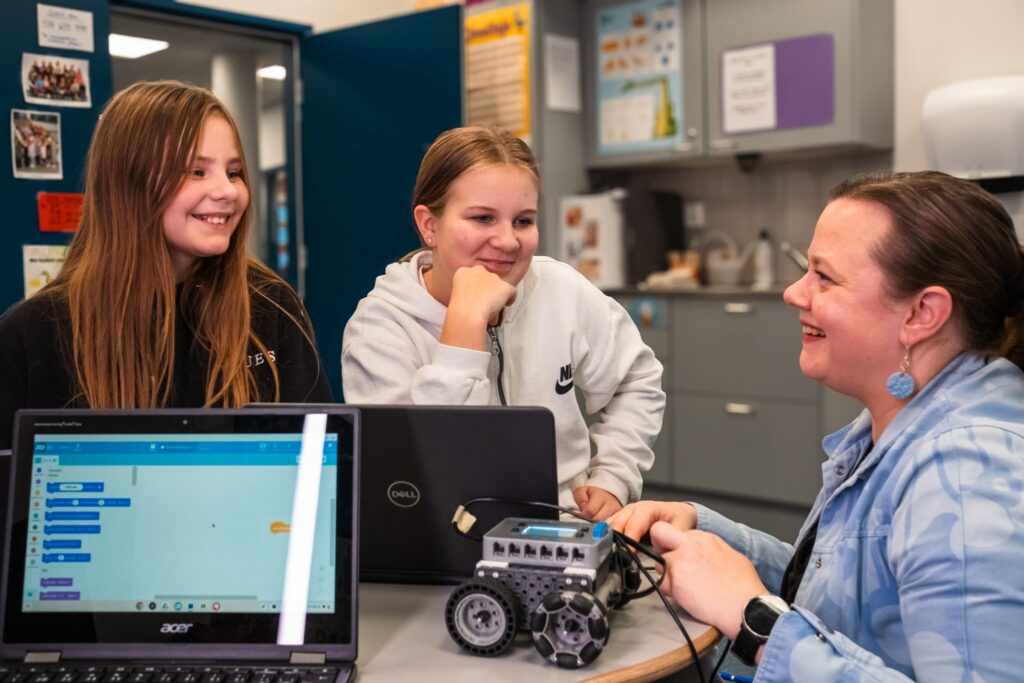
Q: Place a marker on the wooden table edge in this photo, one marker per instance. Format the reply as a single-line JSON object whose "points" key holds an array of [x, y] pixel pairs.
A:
{"points": [[660, 666]]}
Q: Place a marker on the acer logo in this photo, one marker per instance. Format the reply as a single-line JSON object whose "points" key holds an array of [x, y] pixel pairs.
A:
{"points": [[175, 628], [403, 494]]}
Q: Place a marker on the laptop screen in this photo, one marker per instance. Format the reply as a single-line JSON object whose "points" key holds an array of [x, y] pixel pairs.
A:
{"points": [[125, 522], [103, 507]]}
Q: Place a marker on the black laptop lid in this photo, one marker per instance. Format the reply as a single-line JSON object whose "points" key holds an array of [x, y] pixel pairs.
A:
{"points": [[421, 462], [166, 533]]}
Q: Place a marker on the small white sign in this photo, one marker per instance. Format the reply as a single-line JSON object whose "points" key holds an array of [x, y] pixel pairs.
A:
{"points": [[64, 28], [42, 263], [562, 73], [748, 89]]}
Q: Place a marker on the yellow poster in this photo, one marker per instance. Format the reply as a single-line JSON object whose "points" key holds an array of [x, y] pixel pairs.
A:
{"points": [[497, 51]]}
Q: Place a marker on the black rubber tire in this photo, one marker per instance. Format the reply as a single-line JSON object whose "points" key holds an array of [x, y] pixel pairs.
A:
{"points": [[570, 628], [482, 616]]}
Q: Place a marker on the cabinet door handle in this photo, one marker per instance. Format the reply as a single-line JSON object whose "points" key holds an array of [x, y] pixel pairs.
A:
{"points": [[740, 408], [739, 308]]}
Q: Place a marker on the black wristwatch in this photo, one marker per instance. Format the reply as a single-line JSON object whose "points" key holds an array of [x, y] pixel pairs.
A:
{"points": [[759, 616]]}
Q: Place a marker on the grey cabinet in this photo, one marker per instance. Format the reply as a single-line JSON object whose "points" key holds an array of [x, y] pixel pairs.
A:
{"points": [[850, 107], [760, 77], [741, 420]]}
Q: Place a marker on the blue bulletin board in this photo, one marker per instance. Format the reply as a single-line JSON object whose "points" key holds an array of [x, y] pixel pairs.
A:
{"points": [[19, 35]]}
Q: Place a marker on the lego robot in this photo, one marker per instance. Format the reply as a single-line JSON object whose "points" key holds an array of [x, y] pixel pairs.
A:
{"points": [[555, 579]]}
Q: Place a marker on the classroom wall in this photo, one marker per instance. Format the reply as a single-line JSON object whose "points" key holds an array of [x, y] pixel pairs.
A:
{"points": [[944, 41]]}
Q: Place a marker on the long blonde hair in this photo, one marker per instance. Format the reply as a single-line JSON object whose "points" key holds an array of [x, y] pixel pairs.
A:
{"points": [[118, 280]]}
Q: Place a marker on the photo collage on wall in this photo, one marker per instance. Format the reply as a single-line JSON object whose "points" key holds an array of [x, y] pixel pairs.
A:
{"points": [[50, 80]]}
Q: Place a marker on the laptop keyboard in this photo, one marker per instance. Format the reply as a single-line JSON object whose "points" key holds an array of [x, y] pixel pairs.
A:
{"points": [[99, 673]]}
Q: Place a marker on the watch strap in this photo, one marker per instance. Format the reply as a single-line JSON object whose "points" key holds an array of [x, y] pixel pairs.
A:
{"points": [[746, 645]]}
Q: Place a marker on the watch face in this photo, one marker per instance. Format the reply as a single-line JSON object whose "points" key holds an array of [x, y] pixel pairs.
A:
{"points": [[761, 614]]}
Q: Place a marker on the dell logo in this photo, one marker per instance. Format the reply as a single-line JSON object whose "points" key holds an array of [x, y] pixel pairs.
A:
{"points": [[403, 494], [175, 628]]}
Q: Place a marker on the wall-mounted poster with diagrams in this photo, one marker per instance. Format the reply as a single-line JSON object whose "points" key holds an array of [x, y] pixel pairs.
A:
{"points": [[639, 76], [497, 49]]}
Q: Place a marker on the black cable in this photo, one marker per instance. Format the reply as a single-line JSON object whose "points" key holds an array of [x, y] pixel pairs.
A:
{"points": [[675, 617], [622, 541]]}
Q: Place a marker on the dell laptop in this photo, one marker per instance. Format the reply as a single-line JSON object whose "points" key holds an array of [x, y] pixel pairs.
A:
{"points": [[421, 462], [181, 546]]}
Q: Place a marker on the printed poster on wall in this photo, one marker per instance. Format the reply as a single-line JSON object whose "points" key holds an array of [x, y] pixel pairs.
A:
{"points": [[42, 263], [36, 145], [639, 77], [55, 81], [497, 49]]}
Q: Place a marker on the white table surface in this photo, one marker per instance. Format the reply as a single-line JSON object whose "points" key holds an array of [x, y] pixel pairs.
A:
{"points": [[402, 637]]}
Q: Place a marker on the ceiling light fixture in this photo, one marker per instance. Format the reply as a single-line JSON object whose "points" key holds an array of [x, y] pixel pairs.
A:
{"points": [[276, 72], [131, 47]]}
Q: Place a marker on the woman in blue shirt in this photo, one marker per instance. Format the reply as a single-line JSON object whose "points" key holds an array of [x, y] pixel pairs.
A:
{"points": [[910, 565]]}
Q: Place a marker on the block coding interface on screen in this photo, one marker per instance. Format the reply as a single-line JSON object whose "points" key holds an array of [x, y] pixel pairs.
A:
{"points": [[171, 523]]}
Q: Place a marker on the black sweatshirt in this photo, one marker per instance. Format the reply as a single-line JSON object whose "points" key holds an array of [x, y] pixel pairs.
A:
{"points": [[36, 369]]}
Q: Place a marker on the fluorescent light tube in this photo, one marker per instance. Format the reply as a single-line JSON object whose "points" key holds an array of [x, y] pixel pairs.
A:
{"points": [[131, 47], [276, 72]]}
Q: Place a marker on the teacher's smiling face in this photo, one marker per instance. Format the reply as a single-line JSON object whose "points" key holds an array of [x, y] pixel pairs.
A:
{"points": [[850, 324]]}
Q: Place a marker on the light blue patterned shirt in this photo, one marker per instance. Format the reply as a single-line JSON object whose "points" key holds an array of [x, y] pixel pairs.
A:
{"points": [[917, 572]]}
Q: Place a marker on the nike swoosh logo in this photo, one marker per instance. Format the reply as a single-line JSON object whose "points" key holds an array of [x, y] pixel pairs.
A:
{"points": [[563, 388]]}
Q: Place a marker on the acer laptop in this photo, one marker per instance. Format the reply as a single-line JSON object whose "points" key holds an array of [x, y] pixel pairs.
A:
{"points": [[182, 546]]}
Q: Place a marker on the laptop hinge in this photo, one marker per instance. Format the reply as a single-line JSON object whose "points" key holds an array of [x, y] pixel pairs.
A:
{"points": [[41, 657], [308, 658]]}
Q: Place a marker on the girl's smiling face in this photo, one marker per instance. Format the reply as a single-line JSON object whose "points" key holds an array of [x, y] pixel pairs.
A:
{"points": [[489, 219], [210, 203]]}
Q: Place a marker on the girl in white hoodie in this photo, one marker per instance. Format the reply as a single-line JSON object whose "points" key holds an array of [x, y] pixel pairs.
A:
{"points": [[474, 318]]}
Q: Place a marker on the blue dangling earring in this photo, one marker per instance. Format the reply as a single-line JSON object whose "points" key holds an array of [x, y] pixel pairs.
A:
{"points": [[900, 384]]}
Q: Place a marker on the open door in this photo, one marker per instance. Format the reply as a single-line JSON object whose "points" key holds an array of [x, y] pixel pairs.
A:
{"points": [[373, 99]]}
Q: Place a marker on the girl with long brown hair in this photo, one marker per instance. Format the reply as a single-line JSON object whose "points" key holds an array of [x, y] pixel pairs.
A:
{"points": [[158, 304]]}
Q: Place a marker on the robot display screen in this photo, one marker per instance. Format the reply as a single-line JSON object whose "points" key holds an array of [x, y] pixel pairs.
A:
{"points": [[538, 531]]}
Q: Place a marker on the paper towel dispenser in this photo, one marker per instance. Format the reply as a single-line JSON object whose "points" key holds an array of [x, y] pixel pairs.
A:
{"points": [[975, 129]]}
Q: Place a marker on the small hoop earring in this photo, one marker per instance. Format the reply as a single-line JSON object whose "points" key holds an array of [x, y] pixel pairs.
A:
{"points": [[900, 384]]}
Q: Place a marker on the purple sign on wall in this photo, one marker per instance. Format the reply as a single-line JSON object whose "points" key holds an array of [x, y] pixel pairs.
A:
{"points": [[779, 85], [805, 81]]}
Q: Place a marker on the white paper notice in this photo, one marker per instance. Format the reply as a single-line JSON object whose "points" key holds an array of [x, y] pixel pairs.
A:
{"points": [[562, 73], [65, 28], [42, 263], [629, 118], [748, 89]]}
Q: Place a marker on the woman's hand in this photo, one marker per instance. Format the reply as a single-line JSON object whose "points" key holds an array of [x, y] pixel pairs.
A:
{"points": [[596, 502], [636, 519], [478, 295], [708, 579]]}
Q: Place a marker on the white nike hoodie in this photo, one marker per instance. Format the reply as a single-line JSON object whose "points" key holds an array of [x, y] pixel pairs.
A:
{"points": [[560, 332]]}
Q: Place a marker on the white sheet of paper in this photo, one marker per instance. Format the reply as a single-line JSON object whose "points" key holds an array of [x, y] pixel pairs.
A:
{"points": [[748, 89], [562, 73], [68, 29], [42, 263]]}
